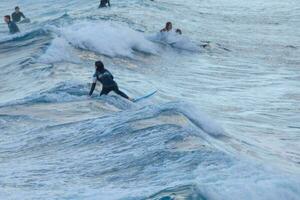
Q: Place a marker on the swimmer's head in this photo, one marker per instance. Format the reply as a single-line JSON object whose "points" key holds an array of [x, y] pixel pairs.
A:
{"points": [[178, 31], [169, 26], [7, 18], [99, 65]]}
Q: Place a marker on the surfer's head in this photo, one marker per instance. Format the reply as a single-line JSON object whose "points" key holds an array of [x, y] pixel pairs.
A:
{"points": [[7, 18], [17, 9], [99, 66], [168, 26]]}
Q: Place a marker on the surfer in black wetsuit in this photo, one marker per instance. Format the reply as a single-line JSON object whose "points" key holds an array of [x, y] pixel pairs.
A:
{"points": [[13, 28], [17, 15], [103, 3], [167, 28], [107, 80]]}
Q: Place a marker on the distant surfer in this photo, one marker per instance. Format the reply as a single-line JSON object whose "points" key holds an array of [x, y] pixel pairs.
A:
{"points": [[167, 28], [107, 80], [104, 3], [13, 28], [17, 15]]}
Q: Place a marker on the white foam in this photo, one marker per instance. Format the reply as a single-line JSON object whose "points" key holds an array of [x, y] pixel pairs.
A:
{"points": [[202, 120], [58, 51], [107, 38]]}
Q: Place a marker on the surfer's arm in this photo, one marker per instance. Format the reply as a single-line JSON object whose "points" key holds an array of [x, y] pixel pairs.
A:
{"points": [[92, 89], [108, 3], [23, 15], [164, 30], [93, 85]]}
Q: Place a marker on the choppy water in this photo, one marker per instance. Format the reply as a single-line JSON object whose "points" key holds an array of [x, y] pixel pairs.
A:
{"points": [[225, 123]]}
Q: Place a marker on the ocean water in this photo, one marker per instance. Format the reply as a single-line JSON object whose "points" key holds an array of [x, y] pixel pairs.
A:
{"points": [[225, 123]]}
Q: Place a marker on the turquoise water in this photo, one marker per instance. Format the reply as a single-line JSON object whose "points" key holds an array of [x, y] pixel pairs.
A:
{"points": [[224, 124]]}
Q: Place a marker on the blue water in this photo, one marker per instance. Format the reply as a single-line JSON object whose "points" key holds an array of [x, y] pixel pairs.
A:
{"points": [[224, 124]]}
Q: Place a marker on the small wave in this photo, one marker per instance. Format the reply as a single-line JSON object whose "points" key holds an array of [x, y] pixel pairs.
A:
{"points": [[62, 92], [26, 35], [66, 91], [199, 119]]}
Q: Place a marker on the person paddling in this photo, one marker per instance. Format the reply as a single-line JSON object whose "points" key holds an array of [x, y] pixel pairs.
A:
{"points": [[107, 80]]}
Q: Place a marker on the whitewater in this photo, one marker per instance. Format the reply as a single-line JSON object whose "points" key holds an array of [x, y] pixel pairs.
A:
{"points": [[224, 124]]}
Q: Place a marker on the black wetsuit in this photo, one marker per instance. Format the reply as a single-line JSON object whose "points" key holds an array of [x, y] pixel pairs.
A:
{"points": [[103, 3], [13, 28], [108, 83], [16, 17]]}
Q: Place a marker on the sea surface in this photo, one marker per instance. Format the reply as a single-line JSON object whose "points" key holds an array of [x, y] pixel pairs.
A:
{"points": [[224, 124]]}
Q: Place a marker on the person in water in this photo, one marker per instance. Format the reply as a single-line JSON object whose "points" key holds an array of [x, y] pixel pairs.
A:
{"points": [[17, 15], [107, 80], [12, 26], [103, 3], [178, 31], [167, 28]]}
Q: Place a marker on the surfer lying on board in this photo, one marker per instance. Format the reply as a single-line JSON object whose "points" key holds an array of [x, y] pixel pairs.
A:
{"points": [[107, 80]]}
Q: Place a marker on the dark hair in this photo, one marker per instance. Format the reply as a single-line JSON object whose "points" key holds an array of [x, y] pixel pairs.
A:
{"points": [[178, 31], [7, 16], [17, 7], [99, 65], [168, 24]]}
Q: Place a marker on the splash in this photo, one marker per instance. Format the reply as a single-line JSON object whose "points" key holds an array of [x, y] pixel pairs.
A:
{"points": [[175, 40]]}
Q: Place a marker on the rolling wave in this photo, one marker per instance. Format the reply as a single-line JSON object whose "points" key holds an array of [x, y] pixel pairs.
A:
{"points": [[126, 148]]}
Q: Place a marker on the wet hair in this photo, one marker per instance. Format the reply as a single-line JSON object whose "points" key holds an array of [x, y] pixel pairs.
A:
{"points": [[17, 7], [99, 65], [178, 31], [7, 16], [168, 24]]}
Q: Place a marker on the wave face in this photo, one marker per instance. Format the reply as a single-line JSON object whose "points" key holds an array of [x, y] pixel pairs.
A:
{"points": [[224, 123]]}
